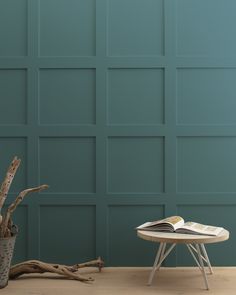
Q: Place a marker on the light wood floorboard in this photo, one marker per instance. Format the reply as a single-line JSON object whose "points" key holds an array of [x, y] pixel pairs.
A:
{"points": [[130, 281]]}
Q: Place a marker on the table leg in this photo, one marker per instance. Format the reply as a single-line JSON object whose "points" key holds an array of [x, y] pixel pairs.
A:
{"points": [[159, 251], [160, 257], [191, 252], [202, 266], [206, 257]]}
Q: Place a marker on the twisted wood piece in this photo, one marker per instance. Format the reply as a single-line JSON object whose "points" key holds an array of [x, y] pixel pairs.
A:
{"points": [[36, 266]]}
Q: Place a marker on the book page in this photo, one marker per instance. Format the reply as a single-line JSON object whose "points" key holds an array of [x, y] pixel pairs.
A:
{"points": [[144, 225], [173, 221], [201, 228]]}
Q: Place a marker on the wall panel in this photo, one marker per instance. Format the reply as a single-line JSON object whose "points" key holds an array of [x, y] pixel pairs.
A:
{"points": [[141, 158], [13, 28], [67, 233], [68, 164], [126, 108], [13, 92], [203, 163], [72, 91], [206, 96], [203, 33], [141, 30], [67, 30], [142, 88]]}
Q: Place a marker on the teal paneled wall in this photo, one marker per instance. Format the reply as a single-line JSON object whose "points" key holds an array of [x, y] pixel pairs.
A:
{"points": [[74, 235], [127, 109]]}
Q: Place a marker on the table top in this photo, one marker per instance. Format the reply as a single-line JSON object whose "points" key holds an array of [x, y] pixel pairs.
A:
{"points": [[178, 238]]}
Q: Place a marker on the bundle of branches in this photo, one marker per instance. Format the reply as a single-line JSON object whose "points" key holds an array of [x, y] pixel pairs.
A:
{"points": [[8, 229], [6, 225]]}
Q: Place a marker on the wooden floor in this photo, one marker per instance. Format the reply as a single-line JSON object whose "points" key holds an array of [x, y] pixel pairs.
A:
{"points": [[128, 281]]}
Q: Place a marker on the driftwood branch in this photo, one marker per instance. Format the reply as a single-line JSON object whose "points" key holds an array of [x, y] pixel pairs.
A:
{"points": [[11, 171], [36, 266], [97, 263], [4, 228], [7, 229]]}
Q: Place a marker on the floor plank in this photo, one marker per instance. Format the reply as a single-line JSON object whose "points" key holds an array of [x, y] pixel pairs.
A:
{"points": [[128, 281]]}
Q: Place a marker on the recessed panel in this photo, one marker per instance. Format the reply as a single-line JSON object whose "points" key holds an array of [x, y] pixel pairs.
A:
{"points": [[218, 215], [125, 248], [67, 164], [13, 28], [206, 164], [67, 234], [9, 148], [206, 96], [13, 96], [21, 247], [135, 165], [206, 27], [67, 28], [135, 27], [136, 96], [67, 96]]}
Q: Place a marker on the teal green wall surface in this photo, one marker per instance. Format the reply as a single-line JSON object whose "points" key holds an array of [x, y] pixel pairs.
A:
{"points": [[127, 109]]}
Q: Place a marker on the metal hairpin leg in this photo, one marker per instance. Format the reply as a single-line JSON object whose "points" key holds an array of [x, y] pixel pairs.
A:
{"points": [[204, 255], [202, 267], [200, 258], [160, 257]]}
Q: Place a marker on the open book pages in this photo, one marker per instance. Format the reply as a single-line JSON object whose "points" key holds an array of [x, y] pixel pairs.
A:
{"points": [[198, 228], [178, 225], [168, 224]]}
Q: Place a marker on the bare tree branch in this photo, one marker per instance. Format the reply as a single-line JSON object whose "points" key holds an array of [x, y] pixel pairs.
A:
{"points": [[11, 171], [13, 206], [36, 266]]}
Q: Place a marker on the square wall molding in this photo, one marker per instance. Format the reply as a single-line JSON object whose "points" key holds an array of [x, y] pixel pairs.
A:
{"points": [[67, 28], [13, 94], [80, 220], [13, 28], [68, 164], [203, 163], [135, 96], [67, 96], [206, 96], [135, 29], [206, 28], [135, 165]]}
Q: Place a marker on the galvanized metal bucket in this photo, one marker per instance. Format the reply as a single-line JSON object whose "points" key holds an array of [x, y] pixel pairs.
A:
{"points": [[6, 253]]}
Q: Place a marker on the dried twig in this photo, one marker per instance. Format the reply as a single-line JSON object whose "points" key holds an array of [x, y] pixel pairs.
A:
{"points": [[36, 266], [97, 262], [13, 206], [11, 171]]}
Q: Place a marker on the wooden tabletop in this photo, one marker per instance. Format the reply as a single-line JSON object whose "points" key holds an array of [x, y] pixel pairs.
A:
{"points": [[165, 237]]}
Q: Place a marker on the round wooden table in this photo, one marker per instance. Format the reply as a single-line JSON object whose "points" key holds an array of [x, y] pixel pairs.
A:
{"points": [[194, 243]]}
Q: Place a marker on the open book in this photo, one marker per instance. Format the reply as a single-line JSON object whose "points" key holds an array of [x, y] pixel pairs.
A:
{"points": [[178, 225]]}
